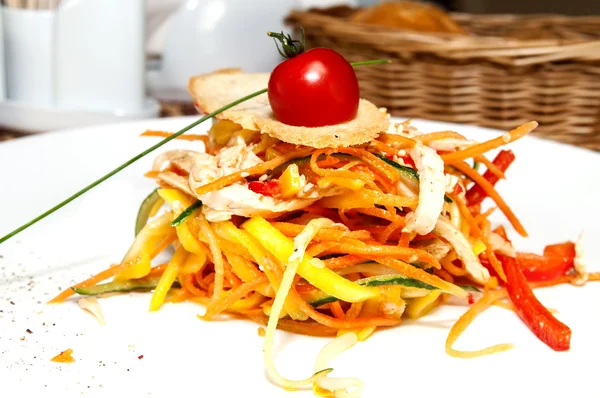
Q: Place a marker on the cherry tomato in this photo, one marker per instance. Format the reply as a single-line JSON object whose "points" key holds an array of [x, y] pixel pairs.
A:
{"points": [[315, 88]]}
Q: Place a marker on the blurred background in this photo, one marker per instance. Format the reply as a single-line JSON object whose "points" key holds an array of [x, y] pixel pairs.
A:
{"points": [[71, 63]]}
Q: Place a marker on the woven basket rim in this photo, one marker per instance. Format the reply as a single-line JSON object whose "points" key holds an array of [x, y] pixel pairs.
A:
{"points": [[498, 49]]}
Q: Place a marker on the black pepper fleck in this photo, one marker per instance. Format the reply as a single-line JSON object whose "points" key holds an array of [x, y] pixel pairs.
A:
{"points": [[29, 331]]}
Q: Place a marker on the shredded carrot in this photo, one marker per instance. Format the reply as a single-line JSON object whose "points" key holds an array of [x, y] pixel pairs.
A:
{"points": [[445, 275], [496, 264], [404, 239], [403, 142], [305, 328], [419, 274], [152, 174], [318, 170], [492, 193], [188, 284], [94, 280], [440, 135], [259, 169], [480, 149], [232, 296], [483, 216], [385, 148], [378, 166], [351, 246], [328, 162], [354, 310], [399, 223], [343, 261], [336, 310], [166, 134], [448, 265], [465, 320], [491, 166], [318, 248], [464, 210], [215, 249], [158, 270], [346, 323], [377, 212]]}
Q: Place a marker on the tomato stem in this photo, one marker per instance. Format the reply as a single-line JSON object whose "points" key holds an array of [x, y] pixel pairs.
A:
{"points": [[288, 47]]}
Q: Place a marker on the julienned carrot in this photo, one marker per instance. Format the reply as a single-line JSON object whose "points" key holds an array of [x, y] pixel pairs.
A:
{"points": [[464, 210], [259, 169], [491, 192], [486, 146], [94, 280], [404, 239], [343, 262], [151, 174], [165, 134], [377, 165], [491, 256], [188, 284], [385, 148], [465, 320], [346, 323], [492, 168], [351, 246], [503, 160], [417, 273], [336, 310], [404, 142], [233, 295], [306, 328], [440, 135]]}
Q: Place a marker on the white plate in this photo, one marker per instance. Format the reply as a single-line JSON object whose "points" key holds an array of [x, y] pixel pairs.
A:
{"points": [[29, 118], [552, 187]]}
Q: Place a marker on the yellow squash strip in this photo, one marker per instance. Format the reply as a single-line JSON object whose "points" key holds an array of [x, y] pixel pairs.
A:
{"points": [[417, 307], [193, 263], [322, 278], [228, 231], [465, 320], [290, 182], [367, 198], [244, 269], [179, 201], [137, 260], [167, 278]]}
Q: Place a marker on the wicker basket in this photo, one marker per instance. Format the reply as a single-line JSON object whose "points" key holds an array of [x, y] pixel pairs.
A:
{"points": [[508, 70]]}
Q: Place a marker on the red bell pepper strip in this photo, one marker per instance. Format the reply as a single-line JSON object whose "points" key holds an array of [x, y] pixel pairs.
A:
{"points": [[540, 321], [476, 194], [267, 188], [544, 268]]}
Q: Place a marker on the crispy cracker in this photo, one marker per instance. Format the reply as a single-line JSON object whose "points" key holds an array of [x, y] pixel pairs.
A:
{"points": [[214, 90]]}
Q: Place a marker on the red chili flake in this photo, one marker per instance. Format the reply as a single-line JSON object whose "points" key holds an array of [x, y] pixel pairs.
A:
{"points": [[140, 357], [471, 299]]}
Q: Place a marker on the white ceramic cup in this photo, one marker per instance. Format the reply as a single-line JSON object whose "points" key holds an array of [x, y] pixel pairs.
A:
{"points": [[28, 37], [2, 72]]}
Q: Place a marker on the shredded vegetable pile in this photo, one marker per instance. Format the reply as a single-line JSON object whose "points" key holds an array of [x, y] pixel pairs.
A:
{"points": [[337, 241]]}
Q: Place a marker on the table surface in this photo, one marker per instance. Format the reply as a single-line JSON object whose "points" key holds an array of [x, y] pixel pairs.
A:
{"points": [[168, 109]]}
